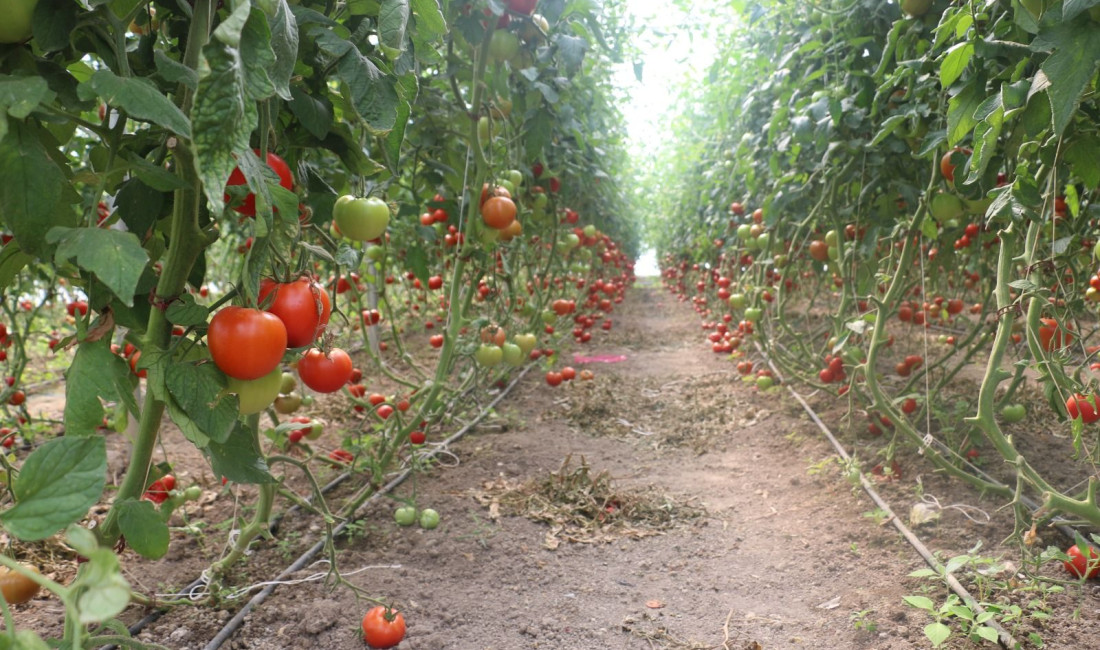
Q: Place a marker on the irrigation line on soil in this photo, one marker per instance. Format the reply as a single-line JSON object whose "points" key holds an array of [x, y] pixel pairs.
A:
{"points": [[155, 615], [1004, 637], [235, 623]]}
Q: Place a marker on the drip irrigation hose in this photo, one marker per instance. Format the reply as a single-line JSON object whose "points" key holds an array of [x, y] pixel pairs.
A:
{"points": [[1004, 637], [155, 615], [235, 623]]}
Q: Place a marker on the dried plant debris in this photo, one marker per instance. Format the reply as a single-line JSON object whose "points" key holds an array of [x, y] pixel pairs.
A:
{"points": [[700, 412], [586, 507]]}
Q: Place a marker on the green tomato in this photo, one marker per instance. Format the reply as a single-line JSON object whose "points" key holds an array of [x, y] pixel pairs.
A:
{"points": [[361, 219], [513, 354], [764, 382], [915, 8], [315, 431], [571, 241], [288, 383], [762, 241], [484, 128], [540, 201], [590, 230], [307, 400], [1013, 412], [287, 404], [946, 206], [834, 253], [515, 177], [429, 519], [780, 261], [744, 232], [830, 238], [753, 314], [738, 301], [377, 253], [527, 342], [503, 45], [405, 516], [488, 356], [16, 24], [257, 394], [549, 317]]}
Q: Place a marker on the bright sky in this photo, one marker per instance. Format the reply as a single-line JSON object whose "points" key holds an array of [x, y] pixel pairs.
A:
{"points": [[671, 55]]}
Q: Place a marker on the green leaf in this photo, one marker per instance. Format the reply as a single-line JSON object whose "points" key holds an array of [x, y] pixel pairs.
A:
{"points": [[284, 44], [222, 116], [960, 112], [1069, 70], [393, 17], [197, 390], [955, 62], [920, 602], [138, 205], [35, 194], [19, 96], [890, 125], [1082, 158], [239, 459], [56, 486], [928, 229], [987, 633], [139, 98], [315, 114], [54, 22], [373, 95], [143, 527], [12, 261], [429, 19], [1071, 8], [175, 72], [962, 611], [115, 257], [257, 56], [101, 590], [155, 176], [921, 573], [417, 262], [937, 633], [187, 312], [94, 374]]}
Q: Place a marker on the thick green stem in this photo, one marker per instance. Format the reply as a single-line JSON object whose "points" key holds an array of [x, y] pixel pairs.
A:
{"points": [[186, 242]]}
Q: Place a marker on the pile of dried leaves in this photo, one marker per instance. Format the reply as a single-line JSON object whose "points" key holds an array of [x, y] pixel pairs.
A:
{"points": [[585, 507]]}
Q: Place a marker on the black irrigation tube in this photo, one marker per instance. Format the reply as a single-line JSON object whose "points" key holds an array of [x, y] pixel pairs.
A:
{"points": [[1004, 637], [235, 622]]}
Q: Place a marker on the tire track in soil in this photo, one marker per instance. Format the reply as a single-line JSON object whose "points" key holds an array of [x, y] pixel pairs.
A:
{"points": [[783, 557]]}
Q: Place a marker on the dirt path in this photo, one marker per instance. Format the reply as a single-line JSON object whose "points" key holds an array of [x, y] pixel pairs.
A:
{"points": [[781, 557]]}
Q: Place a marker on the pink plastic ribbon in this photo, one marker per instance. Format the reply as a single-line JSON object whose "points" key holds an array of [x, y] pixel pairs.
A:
{"points": [[602, 358]]}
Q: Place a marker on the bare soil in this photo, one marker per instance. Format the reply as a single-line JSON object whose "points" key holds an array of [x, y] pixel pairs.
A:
{"points": [[664, 504]]}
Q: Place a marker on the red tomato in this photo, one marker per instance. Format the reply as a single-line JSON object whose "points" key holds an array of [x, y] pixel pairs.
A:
{"points": [[417, 437], [1079, 564], [278, 165], [302, 305], [1084, 407], [1052, 336], [246, 343], [383, 627], [325, 374], [159, 489]]}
